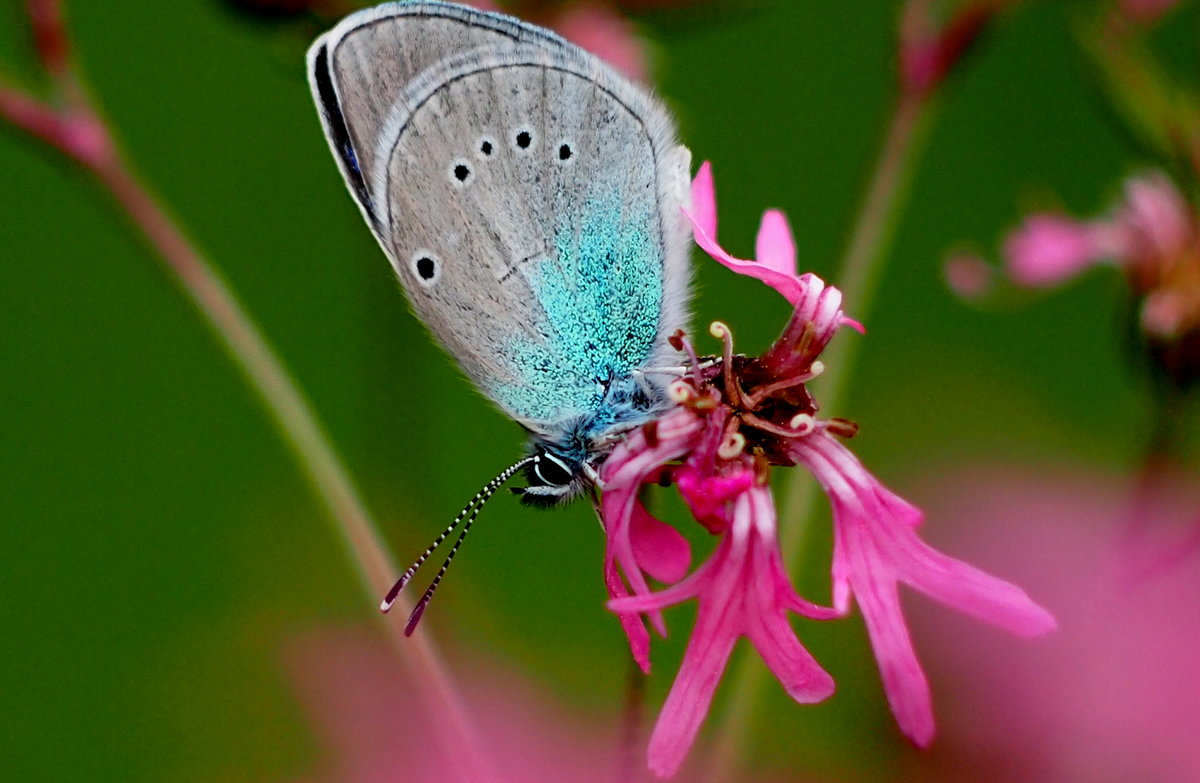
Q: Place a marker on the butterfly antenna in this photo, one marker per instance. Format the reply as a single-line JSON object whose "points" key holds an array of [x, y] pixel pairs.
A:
{"points": [[469, 512]]}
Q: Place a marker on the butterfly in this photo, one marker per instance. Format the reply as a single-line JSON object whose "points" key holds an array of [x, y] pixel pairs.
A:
{"points": [[529, 199]]}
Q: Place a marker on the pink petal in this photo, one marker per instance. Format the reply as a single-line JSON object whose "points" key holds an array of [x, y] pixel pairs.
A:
{"points": [[1049, 249], [690, 697], [775, 249], [716, 630], [631, 622], [623, 474], [875, 546], [703, 212], [857, 326], [962, 586], [904, 681], [1155, 219], [660, 550], [766, 621]]}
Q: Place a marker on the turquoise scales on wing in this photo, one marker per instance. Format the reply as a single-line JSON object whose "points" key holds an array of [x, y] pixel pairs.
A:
{"points": [[602, 316]]}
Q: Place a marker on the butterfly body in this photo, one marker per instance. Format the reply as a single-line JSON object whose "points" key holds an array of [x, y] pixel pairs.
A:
{"points": [[528, 199]]}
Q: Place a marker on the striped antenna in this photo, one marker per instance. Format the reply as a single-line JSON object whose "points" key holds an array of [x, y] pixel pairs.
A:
{"points": [[469, 512]]}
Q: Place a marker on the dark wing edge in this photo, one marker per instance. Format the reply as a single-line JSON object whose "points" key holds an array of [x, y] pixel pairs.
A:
{"points": [[327, 94], [336, 133]]}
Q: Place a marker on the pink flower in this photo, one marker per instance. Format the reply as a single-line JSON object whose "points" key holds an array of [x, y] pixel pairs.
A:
{"points": [[1149, 233], [592, 24], [735, 417], [968, 275]]}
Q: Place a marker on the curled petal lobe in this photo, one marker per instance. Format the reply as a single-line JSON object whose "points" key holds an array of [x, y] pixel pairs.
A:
{"points": [[623, 474], [777, 268]]}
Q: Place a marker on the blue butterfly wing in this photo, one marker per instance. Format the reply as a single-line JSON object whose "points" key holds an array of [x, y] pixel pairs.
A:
{"points": [[528, 198]]}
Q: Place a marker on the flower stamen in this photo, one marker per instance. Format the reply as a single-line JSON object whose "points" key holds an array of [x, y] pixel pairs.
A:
{"points": [[733, 445], [733, 390]]}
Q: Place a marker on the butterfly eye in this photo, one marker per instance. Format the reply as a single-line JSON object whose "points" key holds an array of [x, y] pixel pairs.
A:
{"points": [[552, 471], [426, 267]]}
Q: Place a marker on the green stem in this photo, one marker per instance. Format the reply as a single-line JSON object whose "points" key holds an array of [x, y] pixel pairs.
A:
{"points": [[861, 269], [76, 129], [309, 444]]}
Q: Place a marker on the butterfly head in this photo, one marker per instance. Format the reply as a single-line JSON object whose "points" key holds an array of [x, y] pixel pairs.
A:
{"points": [[554, 478]]}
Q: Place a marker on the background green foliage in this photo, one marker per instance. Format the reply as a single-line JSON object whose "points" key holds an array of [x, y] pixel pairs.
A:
{"points": [[158, 548]]}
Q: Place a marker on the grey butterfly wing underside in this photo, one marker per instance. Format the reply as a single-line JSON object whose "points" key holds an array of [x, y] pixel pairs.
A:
{"points": [[527, 196]]}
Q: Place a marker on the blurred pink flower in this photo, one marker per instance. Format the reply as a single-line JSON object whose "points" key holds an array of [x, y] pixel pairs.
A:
{"points": [[362, 707], [1114, 696], [1049, 249], [736, 416], [1153, 236], [606, 33], [594, 25]]}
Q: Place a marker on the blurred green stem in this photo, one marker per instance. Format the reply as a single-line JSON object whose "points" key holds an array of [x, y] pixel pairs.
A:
{"points": [[858, 277], [72, 124]]}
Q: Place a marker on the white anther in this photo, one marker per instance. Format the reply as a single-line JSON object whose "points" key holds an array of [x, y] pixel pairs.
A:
{"points": [[732, 446], [803, 423], [679, 391]]}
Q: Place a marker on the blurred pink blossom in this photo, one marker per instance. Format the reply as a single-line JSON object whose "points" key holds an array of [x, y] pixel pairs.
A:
{"points": [[1153, 236], [1049, 249], [1114, 696], [606, 33], [361, 705], [735, 417], [594, 25]]}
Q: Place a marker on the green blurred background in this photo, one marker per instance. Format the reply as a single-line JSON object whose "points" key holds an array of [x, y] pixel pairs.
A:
{"points": [[159, 549]]}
